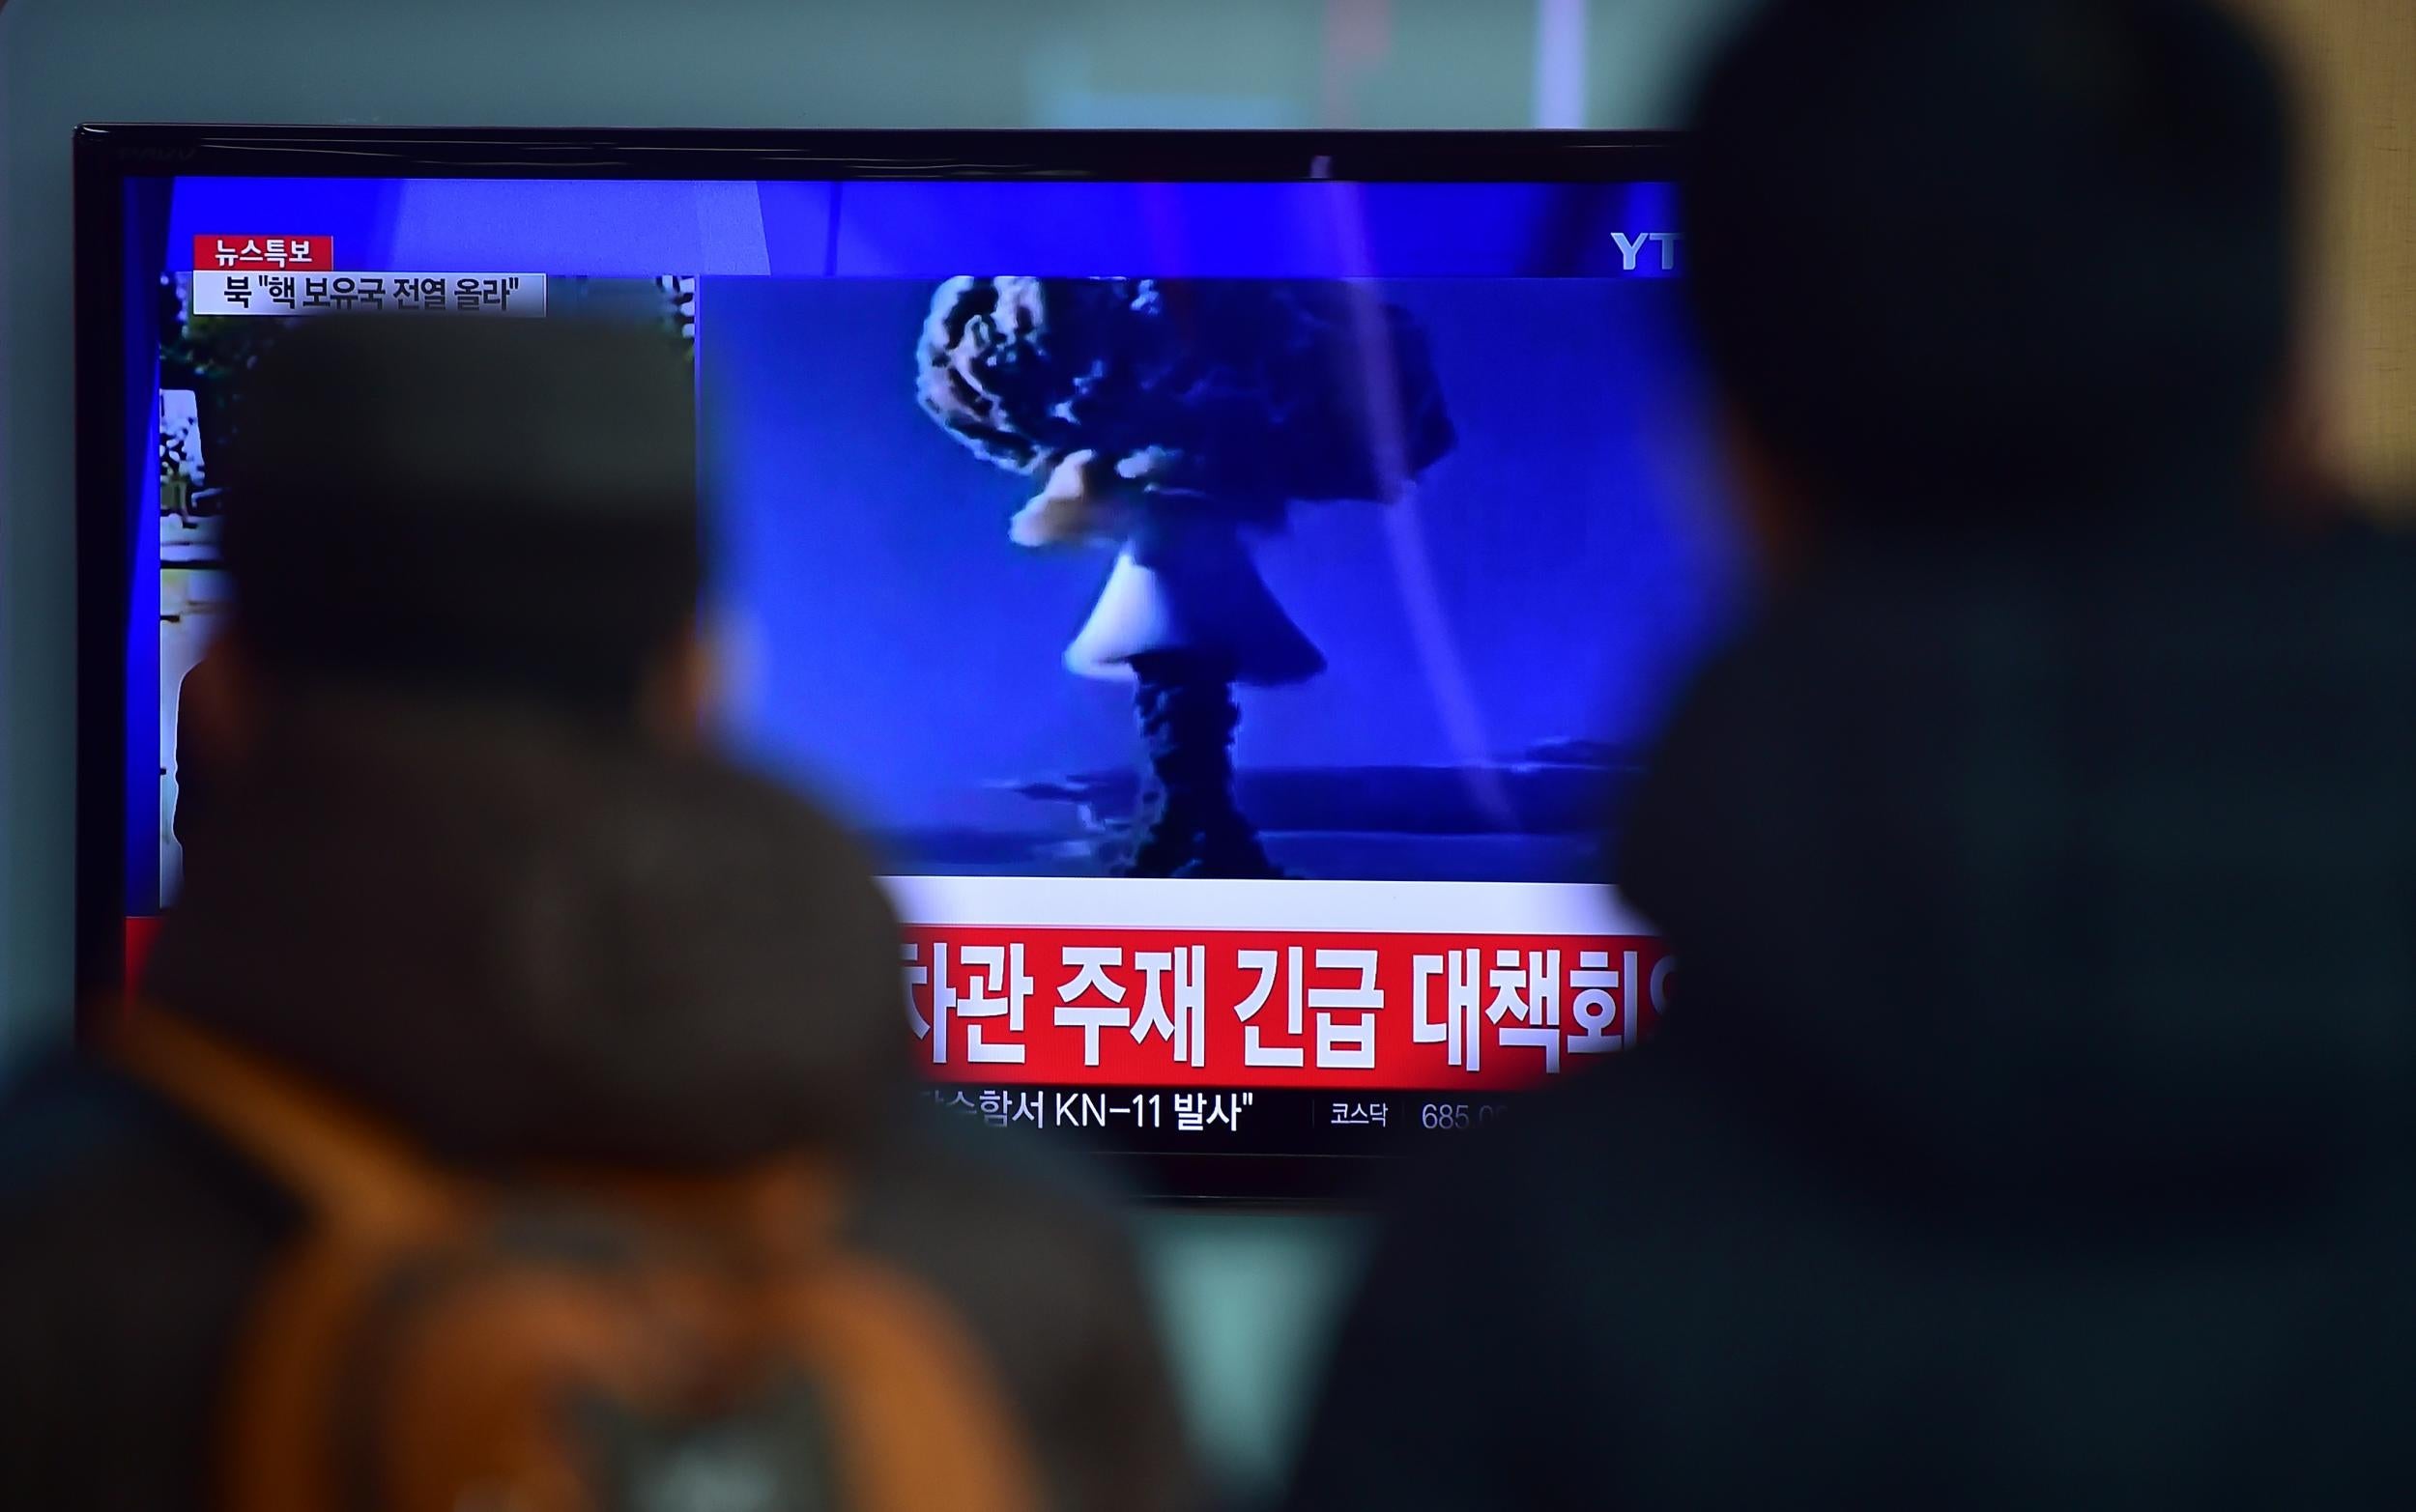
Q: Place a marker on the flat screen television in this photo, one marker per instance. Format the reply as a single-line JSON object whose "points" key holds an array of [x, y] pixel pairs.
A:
{"points": [[1407, 520]]}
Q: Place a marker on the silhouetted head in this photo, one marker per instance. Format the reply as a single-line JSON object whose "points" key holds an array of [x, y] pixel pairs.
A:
{"points": [[1960, 264], [473, 510]]}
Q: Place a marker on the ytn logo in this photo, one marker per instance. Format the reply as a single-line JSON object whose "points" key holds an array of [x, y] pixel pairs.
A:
{"points": [[1631, 249]]}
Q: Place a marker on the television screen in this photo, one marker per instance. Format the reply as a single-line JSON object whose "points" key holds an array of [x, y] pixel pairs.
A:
{"points": [[1227, 578]]}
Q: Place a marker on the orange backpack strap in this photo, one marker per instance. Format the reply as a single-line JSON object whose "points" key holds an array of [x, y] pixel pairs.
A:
{"points": [[351, 1170], [368, 1198]]}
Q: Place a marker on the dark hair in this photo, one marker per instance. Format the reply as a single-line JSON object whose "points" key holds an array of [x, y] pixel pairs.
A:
{"points": [[1962, 257], [486, 507]]}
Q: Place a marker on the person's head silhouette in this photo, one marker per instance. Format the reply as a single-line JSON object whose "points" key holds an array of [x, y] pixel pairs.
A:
{"points": [[1993, 264], [500, 511]]}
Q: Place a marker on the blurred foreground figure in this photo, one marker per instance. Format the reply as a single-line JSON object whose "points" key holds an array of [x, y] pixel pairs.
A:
{"points": [[2033, 1129], [518, 1115]]}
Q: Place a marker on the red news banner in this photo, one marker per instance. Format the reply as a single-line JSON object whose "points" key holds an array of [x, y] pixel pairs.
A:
{"points": [[1333, 1010], [1332, 987]]}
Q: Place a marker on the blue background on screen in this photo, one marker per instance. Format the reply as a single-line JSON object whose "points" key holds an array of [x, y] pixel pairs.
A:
{"points": [[909, 656]]}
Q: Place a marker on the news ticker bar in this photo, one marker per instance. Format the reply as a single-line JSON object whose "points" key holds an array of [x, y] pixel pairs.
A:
{"points": [[1240, 1121], [221, 292]]}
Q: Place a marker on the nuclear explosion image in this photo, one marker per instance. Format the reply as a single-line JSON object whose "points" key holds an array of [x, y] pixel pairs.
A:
{"points": [[1170, 420], [1207, 578]]}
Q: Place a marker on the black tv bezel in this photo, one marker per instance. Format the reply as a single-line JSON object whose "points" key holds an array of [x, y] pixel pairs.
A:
{"points": [[108, 154]]}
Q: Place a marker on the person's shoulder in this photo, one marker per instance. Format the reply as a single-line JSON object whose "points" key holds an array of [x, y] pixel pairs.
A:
{"points": [[62, 1123], [89, 1158], [2364, 574], [130, 1244], [1574, 1153]]}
